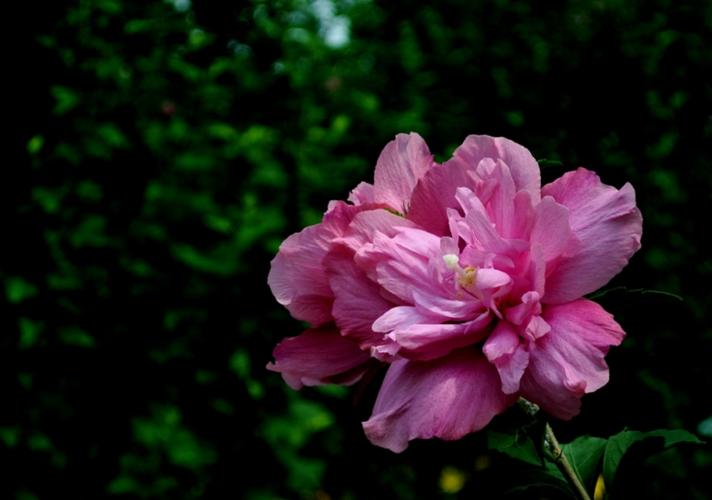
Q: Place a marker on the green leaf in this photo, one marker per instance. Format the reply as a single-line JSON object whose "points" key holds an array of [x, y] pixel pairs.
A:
{"points": [[538, 483], [518, 445], [620, 444], [585, 454]]}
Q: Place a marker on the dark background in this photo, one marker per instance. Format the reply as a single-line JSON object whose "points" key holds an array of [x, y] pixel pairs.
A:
{"points": [[158, 152]]}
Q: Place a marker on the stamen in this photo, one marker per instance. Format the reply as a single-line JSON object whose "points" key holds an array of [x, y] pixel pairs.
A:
{"points": [[452, 261], [465, 277], [468, 277]]}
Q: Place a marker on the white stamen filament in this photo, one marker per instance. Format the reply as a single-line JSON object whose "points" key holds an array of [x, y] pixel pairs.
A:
{"points": [[465, 277], [452, 261]]}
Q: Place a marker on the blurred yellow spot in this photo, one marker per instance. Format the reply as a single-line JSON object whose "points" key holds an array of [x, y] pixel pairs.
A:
{"points": [[600, 491], [482, 462], [452, 480]]}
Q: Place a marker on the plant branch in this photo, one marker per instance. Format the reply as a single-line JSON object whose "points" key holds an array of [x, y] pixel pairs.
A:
{"points": [[557, 454]]}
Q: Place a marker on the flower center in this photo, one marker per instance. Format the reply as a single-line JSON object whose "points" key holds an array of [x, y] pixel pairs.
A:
{"points": [[467, 276]]}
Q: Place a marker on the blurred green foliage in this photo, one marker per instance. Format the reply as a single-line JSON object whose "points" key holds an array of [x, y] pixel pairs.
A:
{"points": [[160, 151]]}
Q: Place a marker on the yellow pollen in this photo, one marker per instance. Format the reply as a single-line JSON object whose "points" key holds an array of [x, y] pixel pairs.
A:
{"points": [[468, 276]]}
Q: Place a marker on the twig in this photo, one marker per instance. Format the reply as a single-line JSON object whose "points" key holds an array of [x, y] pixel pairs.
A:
{"points": [[557, 454]]}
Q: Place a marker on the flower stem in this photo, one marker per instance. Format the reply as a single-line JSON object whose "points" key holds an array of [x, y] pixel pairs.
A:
{"points": [[563, 463], [557, 454]]}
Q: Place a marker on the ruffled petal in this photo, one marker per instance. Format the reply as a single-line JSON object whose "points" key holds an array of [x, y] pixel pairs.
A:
{"points": [[401, 264], [551, 231], [494, 168], [508, 354], [424, 341], [607, 226], [297, 277], [362, 194], [523, 167], [319, 356], [435, 194], [446, 398], [365, 225], [357, 300], [569, 360], [401, 164]]}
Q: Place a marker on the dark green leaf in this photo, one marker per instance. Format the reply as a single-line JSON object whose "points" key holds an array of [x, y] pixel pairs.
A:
{"points": [[619, 445], [538, 483], [518, 445], [585, 455]]}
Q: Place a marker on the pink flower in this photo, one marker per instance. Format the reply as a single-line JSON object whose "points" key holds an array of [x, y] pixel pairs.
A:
{"points": [[467, 278]]}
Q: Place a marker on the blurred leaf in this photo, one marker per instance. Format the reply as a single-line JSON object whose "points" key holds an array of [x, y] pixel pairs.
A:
{"points": [[76, 337], [29, 332], [17, 289], [91, 232], [705, 427], [164, 431], [10, 436], [223, 260], [65, 99], [35, 144]]}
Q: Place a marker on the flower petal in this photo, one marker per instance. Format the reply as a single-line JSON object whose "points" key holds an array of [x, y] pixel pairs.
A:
{"points": [[424, 341], [297, 278], [319, 356], [401, 164], [551, 230], [365, 225], [435, 193], [401, 264], [361, 194], [569, 360], [608, 227], [445, 398], [357, 300], [522, 165], [506, 352]]}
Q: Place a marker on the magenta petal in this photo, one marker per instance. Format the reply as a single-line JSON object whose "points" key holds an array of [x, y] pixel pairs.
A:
{"points": [[362, 194], [446, 398], [551, 230], [569, 360], [297, 278], [504, 349], [435, 193], [401, 164], [357, 300], [365, 225], [400, 264], [399, 317], [429, 341], [608, 227], [318, 356], [522, 165]]}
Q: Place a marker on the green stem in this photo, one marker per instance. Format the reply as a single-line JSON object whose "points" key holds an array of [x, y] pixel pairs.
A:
{"points": [[556, 453]]}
